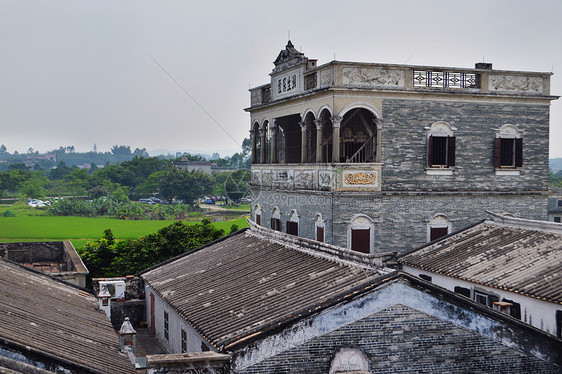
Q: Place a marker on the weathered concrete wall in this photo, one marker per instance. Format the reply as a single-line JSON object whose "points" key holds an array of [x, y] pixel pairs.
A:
{"points": [[134, 309]]}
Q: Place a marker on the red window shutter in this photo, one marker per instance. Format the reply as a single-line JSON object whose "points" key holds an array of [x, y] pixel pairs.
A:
{"points": [[430, 151], [320, 234], [451, 151], [437, 232], [258, 219], [518, 152], [497, 152], [292, 228], [361, 240]]}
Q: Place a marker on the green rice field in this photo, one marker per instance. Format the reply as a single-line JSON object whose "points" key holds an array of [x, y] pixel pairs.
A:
{"points": [[81, 230]]}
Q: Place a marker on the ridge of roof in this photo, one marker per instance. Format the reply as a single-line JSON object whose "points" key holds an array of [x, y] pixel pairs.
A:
{"points": [[523, 223], [322, 250]]}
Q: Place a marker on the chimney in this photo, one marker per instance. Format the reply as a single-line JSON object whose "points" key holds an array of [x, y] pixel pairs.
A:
{"points": [[104, 300], [483, 65], [128, 339]]}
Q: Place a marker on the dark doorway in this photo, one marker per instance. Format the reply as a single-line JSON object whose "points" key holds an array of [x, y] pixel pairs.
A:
{"points": [[320, 234]]}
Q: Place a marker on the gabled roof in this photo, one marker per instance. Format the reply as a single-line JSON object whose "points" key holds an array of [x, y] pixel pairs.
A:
{"points": [[288, 53], [246, 284], [56, 320], [521, 256]]}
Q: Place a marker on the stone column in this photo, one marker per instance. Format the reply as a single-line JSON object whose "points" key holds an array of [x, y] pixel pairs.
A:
{"points": [[274, 151], [318, 124], [253, 137], [304, 148], [263, 146], [336, 121], [378, 156]]}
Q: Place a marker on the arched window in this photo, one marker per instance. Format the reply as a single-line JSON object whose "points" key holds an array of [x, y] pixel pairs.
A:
{"points": [[438, 225], [361, 234], [276, 219], [441, 148], [256, 143], [257, 214], [359, 136], [508, 149], [293, 223], [320, 228]]}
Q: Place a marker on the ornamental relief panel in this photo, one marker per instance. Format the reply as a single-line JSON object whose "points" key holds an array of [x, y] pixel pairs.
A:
{"points": [[360, 179], [515, 83], [373, 77], [326, 78]]}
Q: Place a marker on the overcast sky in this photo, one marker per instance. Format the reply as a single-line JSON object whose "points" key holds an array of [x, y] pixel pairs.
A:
{"points": [[98, 72]]}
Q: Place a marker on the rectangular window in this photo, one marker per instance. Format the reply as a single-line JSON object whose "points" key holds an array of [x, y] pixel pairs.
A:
{"points": [[559, 202], [183, 341], [166, 326], [293, 228], [559, 323], [437, 232], [276, 224], [557, 219], [481, 298], [425, 277], [320, 234], [441, 152], [462, 290], [361, 240], [258, 219], [508, 152]]}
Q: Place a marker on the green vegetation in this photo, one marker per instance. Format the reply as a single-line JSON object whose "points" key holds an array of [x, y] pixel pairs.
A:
{"points": [[80, 230], [555, 179], [106, 257]]}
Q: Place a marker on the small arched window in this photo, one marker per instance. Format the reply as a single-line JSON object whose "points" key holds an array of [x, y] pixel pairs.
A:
{"points": [[508, 148], [276, 219], [361, 234], [438, 226], [441, 146], [320, 227], [257, 214], [293, 223]]}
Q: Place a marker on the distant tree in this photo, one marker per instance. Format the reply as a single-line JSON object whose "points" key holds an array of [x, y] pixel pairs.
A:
{"points": [[215, 156], [93, 167], [246, 147], [60, 171], [140, 152], [184, 185], [3, 149], [30, 151], [121, 150], [33, 187], [18, 166], [95, 150]]}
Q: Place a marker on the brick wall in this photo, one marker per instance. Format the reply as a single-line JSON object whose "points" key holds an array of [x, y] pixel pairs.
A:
{"points": [[402, 339]]}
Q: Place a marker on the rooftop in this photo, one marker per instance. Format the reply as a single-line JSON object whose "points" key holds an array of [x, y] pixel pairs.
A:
{"points": [[53, 319], [518, 255], [248, 283]]}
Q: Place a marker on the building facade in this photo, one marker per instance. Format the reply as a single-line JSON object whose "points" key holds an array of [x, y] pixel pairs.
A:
{"points": [[378, 157]]}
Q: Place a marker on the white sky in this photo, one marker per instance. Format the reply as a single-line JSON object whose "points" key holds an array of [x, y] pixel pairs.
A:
{"points": [[80, 72]]}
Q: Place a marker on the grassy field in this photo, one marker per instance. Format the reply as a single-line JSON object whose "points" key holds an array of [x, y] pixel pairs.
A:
{"points": [[82, 230]]}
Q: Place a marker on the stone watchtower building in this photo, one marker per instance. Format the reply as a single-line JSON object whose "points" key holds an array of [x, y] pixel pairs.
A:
{"points": [[379, 157]]}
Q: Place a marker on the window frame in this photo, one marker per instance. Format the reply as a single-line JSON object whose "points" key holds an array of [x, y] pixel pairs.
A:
{"points": [[166, 325], [445, 134], [183, 338], [508, 136], [438, 221], [361, 222]]}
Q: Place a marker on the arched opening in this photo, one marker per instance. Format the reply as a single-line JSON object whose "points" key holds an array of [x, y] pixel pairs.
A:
{"points": [[358, 142], [293, 223], [289, 138], [320, 227], [327, 135], [310, 137], [360, 234], [257, 214], [256, 143], [267, 145], [438, 226], [276, 219]]}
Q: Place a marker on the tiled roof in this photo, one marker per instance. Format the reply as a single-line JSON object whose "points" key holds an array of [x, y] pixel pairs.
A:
{"points": [[517, 255], [54, 319], [244, 285]]}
